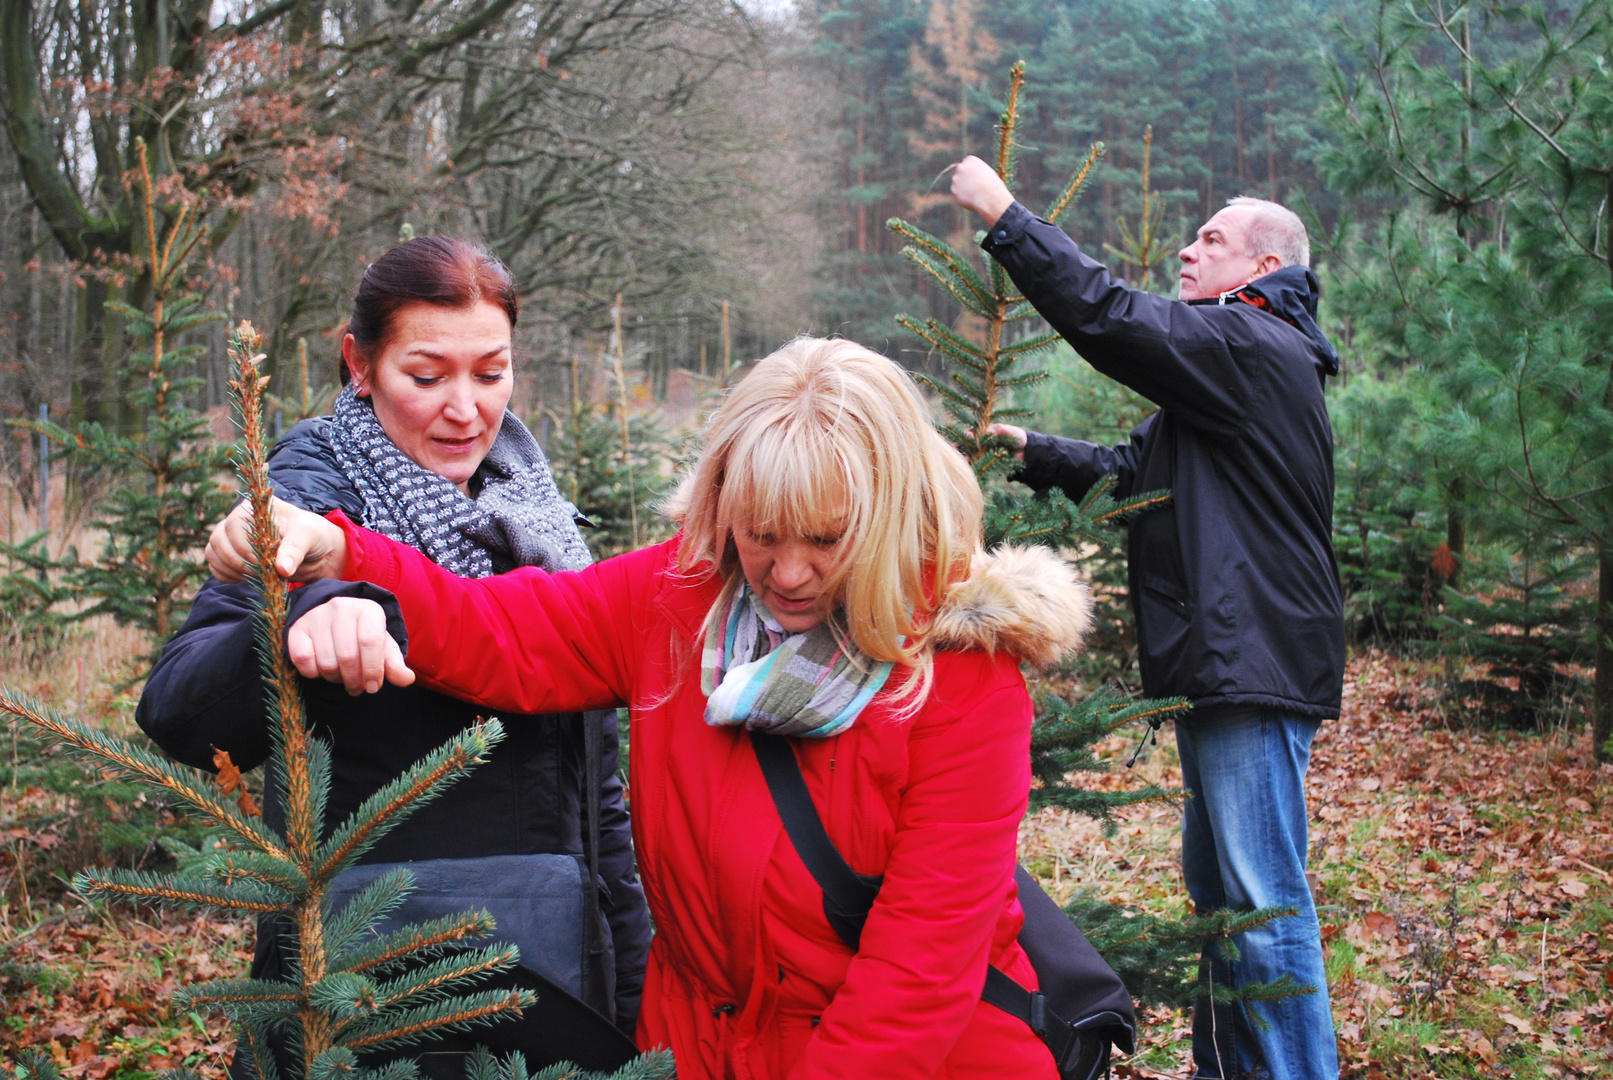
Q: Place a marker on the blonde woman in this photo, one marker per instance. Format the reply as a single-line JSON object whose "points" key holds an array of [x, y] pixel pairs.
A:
{"points": [[828, 585]]}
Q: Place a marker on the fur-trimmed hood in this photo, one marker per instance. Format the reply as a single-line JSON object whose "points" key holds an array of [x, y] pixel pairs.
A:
{"points": [[1025, 601]]}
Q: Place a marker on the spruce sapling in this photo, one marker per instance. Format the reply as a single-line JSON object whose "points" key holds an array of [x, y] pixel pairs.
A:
{"points": [[349, 992]]}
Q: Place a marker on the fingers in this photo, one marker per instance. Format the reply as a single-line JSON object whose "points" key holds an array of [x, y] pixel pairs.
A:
{"points": [[294, 544], [221, 561], [398, 673], [229, 553], [300, 646], [345, 640], [310, 547], [1014, 434]]}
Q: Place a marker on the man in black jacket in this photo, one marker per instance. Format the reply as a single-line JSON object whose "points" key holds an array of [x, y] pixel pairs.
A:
{"points": [[1233, 582]]}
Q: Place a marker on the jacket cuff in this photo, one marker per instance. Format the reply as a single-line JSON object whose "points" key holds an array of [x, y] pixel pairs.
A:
{"points": [[369, 555], [1010, 228], [1037, 472], [305, 598]]}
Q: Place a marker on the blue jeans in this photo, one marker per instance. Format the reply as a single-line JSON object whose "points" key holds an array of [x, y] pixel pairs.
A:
{"points": [[1244, 847]]}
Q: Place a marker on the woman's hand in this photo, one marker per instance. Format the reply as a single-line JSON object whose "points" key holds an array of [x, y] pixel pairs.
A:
{"points": [[310, 547], [345, 640]]}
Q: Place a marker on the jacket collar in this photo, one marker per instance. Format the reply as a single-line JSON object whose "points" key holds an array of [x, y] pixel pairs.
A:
{"points": [[1290, 294]]}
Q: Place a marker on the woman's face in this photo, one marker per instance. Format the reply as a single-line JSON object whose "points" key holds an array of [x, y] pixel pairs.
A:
{"points": [[789, 574], [440, 384]]}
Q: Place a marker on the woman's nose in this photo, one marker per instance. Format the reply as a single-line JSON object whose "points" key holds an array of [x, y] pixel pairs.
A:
{"points": [[791, 567], [461, 404]]}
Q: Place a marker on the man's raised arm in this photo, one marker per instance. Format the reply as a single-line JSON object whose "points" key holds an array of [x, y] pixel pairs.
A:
{"points": [[1166, 350]]}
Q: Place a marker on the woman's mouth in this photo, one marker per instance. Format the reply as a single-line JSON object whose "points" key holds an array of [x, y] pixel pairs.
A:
{"points": [[795, 607], [456, 446]]}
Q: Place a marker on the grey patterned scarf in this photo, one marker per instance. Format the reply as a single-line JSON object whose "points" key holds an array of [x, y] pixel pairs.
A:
{"points": [[518, 519]]}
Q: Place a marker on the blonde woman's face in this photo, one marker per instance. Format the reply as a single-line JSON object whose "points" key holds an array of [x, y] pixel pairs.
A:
{"points": [[789, 574]]}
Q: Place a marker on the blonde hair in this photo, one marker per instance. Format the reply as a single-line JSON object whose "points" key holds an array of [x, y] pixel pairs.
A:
{"points": [[828, 438]]}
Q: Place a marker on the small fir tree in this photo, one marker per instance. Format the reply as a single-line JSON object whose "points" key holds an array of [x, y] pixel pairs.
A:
{"points": [[1157, 958], [307, 401], [350, 993], [607, 461], [165, 496]]}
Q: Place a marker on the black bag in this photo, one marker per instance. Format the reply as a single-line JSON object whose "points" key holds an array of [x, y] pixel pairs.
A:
{"points": [[1082, 1008], [548, 905]]}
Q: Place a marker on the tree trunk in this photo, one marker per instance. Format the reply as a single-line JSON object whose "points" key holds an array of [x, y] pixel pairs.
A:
{"points": [[1602, 706]]}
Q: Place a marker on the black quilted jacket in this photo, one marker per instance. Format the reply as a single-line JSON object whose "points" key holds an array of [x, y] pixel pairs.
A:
{"points": [[206, 692]]}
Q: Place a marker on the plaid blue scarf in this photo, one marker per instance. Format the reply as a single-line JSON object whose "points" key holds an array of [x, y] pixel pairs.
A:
{"points": [[754, 673]]}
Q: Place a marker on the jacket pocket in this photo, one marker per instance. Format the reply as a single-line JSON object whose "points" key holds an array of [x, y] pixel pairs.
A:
{"points": [[1167, 594], [1164, 621]]}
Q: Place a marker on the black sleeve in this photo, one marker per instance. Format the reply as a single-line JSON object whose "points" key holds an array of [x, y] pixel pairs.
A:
{"points": [[206, 693], [625, 909], [305, 471], [1172, 353], [1073, 466]]}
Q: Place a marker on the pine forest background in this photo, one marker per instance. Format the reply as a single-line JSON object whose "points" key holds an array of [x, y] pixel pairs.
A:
{"points": [[682, 185]]}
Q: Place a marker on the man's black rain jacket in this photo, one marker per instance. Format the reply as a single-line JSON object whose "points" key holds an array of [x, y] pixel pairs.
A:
{"points": [[1233, 581]]}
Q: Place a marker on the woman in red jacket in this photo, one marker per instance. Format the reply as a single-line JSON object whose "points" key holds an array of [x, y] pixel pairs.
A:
{"points": [[827, 584]]}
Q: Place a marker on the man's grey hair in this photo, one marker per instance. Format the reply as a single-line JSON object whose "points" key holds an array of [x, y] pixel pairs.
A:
{"points": [[1275, 230]]}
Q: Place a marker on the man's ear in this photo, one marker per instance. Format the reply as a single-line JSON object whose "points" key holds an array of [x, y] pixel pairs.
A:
{"points": [[1268, 264]]}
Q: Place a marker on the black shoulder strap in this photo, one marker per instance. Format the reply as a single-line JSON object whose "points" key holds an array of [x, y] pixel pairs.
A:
{"points": [[593, 753], [847, 895]]}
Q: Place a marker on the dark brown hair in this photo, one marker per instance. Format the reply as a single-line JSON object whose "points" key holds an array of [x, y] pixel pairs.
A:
{"points": [[442, 270]]}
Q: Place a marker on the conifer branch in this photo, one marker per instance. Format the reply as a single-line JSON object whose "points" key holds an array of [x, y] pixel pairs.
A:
{"points": [[1073, 188], [440, 976], [166, 889], [458, 1014], [953, 283], [276, 873], [188, 785], [388, 807], [290, 733], [259, 1056], [373, 903], [416, 942], [1009, 123], [948, 260], [235, 996]]}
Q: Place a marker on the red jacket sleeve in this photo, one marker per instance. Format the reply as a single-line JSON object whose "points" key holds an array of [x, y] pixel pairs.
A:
{"points": [[921, 963], [524, 642]]}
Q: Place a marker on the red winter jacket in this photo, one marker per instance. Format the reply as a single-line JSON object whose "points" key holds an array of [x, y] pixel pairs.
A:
{"points": [[746, 978]]}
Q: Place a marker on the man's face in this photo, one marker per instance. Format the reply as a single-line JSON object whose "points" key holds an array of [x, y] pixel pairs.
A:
{"points": [[1215, 262]]}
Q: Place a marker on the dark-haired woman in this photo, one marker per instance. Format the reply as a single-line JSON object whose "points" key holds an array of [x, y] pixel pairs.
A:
{"points": [[423, 449]]}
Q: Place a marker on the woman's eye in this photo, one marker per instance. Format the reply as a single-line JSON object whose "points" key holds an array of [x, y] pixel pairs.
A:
{"points": [[424, 381], [765, 539], [824, 542], [491, 378]]}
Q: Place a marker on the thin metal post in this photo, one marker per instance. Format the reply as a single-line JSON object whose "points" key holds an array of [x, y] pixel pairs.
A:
{"points": [[44, 471]]}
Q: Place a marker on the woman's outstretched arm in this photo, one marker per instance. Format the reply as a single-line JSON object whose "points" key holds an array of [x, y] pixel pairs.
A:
{"points": [[525, 641]]}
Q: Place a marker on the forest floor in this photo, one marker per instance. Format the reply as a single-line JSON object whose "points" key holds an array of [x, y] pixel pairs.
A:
{"points": [[1465, 878], [1463, 881]]}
